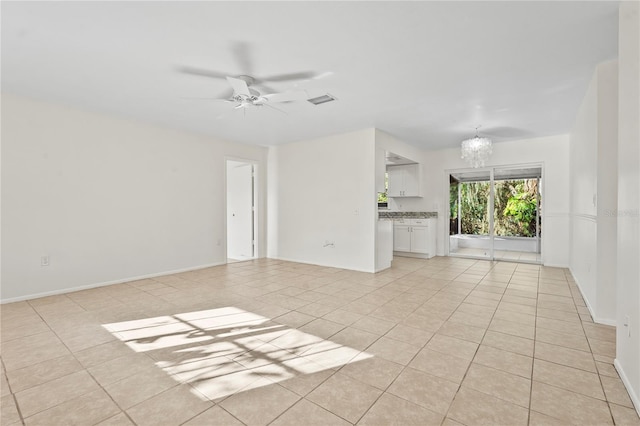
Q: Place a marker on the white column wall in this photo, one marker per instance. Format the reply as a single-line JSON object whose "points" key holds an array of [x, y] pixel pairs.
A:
{"points": [[326, 201], [593, 166], [607, 192], [628, 270]]}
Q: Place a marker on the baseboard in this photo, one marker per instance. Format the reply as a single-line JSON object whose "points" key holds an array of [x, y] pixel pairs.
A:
{"points": [[105, 283], [556, 265], [384, 268], [414, 255], [604, 321], [586, 301], [625, 380], [326, 265], [596, 319]]}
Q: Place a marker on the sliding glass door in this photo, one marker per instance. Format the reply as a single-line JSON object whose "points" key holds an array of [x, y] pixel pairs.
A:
{"points": [[470, 218], [517, 214], [495, 213]]}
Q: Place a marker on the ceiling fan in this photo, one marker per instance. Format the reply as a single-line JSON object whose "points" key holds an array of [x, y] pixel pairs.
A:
{"points": [[243, 96], [244, 88]]}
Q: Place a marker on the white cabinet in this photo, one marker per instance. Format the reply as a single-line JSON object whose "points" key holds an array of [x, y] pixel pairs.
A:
{"points": [[414, 237], [420, 239], [401, 238], [404, 180]]}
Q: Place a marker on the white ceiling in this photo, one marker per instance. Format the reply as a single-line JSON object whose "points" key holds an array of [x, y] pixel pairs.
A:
{"points": [[425, 72]]}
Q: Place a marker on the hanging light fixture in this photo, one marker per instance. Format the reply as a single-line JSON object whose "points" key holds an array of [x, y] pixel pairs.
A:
{"points": [[476, 150]]}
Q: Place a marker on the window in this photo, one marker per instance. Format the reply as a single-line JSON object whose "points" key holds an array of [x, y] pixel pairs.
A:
{"points": [[382, 196]]}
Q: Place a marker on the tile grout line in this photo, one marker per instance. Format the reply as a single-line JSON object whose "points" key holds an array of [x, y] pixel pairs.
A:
{"points": [[85, 370], [13, 395], [533, 355], [474, 355], [566, 366], [404, 367], [604, 393], [497, 307]]}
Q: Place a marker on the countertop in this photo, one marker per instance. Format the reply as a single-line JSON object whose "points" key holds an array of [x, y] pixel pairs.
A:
{"points": [[387, 215]]}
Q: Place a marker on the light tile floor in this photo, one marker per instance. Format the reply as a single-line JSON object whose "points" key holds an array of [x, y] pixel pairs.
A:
{"points": [[445, 341]]}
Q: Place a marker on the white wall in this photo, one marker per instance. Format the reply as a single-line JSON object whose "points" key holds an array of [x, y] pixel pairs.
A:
{"points": [[628, 236], [325, 193], [106, 198], [607, 191], [593, 169], [552, 152], [583, 169], [272, 198], [594, 193]]}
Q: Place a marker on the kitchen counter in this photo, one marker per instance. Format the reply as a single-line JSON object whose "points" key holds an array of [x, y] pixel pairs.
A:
{"points": [[389, 215]]}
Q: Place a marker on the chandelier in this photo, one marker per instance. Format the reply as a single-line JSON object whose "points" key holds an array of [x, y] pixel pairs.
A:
{"points": [[476, 150]]}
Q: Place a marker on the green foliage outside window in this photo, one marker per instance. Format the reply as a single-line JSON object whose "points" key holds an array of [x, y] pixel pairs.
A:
{"points": [[514, 207], [382, 196], [453, 200], [519, 215]]}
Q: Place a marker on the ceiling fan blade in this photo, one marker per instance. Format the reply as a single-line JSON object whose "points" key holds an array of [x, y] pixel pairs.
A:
{"points": [[263, 88], [241, 50], [206, 98], [297, 95], [239, 86], [227, 94], [305, 75], [202, 72]]}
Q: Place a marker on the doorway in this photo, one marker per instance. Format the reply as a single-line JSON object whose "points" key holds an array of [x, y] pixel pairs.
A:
{"points": [[241, 211], [494, 213]]}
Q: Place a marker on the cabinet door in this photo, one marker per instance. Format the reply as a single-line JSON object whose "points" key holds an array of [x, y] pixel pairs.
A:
{"points": [[404, 181], [396, 181], [411, 180], [419, 239], [401, 238]]}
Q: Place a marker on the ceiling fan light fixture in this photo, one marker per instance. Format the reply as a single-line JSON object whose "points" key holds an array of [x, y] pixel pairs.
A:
{"points": [[476, 151], [321, 99]]}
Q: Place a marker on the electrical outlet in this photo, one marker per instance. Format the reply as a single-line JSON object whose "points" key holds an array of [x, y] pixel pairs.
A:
{"points": [[628, 325], [44, 260]]}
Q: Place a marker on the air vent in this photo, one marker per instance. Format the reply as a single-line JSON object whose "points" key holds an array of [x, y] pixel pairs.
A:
{"points": [[322, 99]]}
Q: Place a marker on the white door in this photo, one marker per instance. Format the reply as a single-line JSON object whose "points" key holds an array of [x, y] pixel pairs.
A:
{"points": [[240, 232], [401, 238]]}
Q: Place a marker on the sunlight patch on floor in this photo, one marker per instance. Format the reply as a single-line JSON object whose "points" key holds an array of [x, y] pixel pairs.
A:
{"points": [[223, 351]]}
